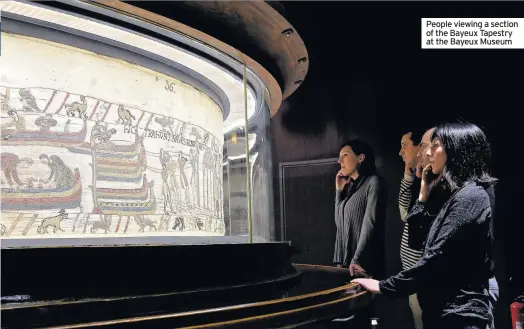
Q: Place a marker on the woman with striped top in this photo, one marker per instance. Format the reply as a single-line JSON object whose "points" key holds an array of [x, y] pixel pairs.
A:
{"points": [[411, 153]]}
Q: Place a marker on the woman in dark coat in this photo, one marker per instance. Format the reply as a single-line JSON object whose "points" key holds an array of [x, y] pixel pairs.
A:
{"points": [[451, 279]]}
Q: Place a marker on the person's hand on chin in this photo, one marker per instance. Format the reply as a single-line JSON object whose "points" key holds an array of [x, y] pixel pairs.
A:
{"points": [[370, 285]]}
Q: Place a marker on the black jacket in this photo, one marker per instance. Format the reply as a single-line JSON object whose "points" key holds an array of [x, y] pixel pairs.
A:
{"points": [[422, 222], [451, 278]]}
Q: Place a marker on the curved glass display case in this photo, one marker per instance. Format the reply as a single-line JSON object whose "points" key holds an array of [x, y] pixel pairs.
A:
{"points": [[116, 130], [136, 184]]}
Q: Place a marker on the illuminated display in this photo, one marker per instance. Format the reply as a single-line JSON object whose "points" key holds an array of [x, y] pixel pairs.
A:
{"points": [[92, 145]]}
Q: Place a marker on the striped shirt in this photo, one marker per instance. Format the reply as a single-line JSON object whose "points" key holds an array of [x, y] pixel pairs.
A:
{"points": [[408, 256]]}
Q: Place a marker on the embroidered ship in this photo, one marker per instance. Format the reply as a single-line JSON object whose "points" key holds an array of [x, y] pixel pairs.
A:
{"points": [[134, 194], [44, 138], [128, 207], [44, 198]]}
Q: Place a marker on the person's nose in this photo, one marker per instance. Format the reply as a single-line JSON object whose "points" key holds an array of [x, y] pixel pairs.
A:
{"points": [[421, 152], [428, 151]]}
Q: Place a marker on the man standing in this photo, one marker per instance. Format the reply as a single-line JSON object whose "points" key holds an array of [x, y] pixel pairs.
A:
{"points": [[409, 185]]}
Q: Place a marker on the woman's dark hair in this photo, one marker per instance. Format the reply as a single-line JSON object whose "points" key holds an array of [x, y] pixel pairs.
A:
{"points": [[468, 154], [359, 147]]}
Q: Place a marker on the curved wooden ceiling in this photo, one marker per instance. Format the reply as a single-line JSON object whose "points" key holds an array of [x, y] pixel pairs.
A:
{"points": [[252, 32]]}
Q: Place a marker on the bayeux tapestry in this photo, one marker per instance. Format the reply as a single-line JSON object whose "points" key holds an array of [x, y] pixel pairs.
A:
{"points": [[92, 145]]}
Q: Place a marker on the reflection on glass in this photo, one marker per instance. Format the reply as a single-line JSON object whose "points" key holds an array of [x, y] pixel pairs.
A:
{"points": [[95, 145], [235, 174]]}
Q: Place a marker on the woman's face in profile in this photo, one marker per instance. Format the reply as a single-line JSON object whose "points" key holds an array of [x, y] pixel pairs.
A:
{"points": [[437, 156], [348, 161]]}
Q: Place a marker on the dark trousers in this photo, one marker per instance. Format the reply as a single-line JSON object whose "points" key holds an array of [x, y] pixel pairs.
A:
{"points": [[493, 298], [455, 323]]}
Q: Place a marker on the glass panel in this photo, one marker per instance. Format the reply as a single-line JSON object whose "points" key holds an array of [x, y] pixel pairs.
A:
{"points": [[262, 173], [235, 173], [104, 144]]}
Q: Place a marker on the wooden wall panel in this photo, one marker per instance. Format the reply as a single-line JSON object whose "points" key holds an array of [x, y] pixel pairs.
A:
{"points": [[307, 196]]}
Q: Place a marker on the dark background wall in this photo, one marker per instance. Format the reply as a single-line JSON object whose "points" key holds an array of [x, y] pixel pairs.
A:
{"points": [[369, 78]]}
